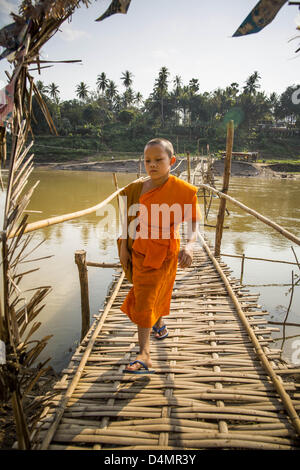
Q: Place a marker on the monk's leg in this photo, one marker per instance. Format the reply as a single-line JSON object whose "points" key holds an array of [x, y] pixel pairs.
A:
{"points": [[144, 355]]}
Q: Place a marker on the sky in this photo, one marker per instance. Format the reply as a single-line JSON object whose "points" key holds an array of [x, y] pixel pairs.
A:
{"points": [[192, 38]]}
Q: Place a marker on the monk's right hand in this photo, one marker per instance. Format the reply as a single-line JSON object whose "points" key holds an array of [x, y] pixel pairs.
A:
{"points": [[125, 256]]}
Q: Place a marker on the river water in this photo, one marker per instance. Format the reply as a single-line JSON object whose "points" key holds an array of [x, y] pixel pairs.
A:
{"points": [[61, 192]]}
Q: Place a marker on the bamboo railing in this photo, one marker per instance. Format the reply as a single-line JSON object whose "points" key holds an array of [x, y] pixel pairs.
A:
{"points": [[264, 360], [256, 214]]}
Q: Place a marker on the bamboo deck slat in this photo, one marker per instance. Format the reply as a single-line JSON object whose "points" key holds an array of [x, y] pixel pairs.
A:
{"points": [[210, 388]]}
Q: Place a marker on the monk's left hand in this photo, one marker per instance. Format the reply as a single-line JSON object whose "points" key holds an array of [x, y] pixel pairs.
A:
{"points": [[185, 258]]}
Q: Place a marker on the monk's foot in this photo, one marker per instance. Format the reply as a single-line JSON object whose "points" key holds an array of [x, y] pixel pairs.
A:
{"points": [[144, 358], [160, 331]]}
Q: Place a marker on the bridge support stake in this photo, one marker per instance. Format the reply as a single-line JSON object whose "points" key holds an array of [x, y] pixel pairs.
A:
{"points": [[80, 260], [226, 176], [242, 268], [188, 167]]}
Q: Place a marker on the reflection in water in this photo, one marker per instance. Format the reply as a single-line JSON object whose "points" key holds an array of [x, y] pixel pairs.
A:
{"points": [[239, 245], [61, 192]]}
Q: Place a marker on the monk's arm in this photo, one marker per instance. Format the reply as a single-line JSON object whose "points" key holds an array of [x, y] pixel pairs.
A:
{"points": [[185, 256], [192, 237]]}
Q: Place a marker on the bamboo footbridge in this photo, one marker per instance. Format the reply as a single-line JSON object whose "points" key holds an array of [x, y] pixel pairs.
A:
{"points": [[209, 390], [217, 382]]}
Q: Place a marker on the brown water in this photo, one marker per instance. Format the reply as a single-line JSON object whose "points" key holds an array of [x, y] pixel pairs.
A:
{"points": [[61, 192]]}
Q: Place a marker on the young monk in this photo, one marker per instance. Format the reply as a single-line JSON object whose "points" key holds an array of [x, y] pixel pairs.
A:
{"points": [[164, 202]]}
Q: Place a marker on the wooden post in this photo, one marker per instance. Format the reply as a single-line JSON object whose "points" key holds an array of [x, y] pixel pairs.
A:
{"points": [[226, 176], [242, 268], [188, 167], [80, 260]]}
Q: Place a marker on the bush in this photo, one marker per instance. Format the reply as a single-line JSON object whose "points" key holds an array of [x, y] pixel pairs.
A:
{"points": [[126, 116]]}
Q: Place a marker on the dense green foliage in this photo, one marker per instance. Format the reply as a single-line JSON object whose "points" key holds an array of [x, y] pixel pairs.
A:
{"points": [[107, 119]]}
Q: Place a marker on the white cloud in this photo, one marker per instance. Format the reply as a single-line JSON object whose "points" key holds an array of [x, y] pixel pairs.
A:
{"points": [[68, 33]]}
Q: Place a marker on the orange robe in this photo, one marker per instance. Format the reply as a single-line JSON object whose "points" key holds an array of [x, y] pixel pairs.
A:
{"points": [[155, 249]]}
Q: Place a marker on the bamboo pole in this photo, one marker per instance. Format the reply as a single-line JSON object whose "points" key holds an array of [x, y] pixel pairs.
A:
{"points": [[21, 424], [73, 215], [226, 176], [76, 378], [103, 265], [286, 400], [117, 188], [188, 167], [80, 260], [283, 323], [257, 259], [259, 216]]}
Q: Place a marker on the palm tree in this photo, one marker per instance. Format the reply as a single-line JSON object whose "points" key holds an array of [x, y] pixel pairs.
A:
{"points": [[177, 90], [252, 83], [53, 91], [194, 86], [41, 87], [177, 85], [138, 98], [111, 91], [161, 88], [102, 82], [127, 78], [82, 91], [128, 97]]}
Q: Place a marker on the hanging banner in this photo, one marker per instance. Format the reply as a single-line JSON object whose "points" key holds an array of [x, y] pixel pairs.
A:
{"points": [[116, 6], [261, 15]]}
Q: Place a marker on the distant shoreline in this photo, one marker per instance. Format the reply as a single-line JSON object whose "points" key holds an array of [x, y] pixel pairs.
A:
{"points": [[238, 168]]}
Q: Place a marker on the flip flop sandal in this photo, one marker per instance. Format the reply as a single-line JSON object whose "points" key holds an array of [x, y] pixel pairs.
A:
{"points": [[139, 371], [158, 330]]}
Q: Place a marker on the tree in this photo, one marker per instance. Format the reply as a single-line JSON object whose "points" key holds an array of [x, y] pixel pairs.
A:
{"points": [[102, 82], [194, 86], [41, 87], [138, 98], [161, 88], [53, 91], [177, 82], [111, 92], [82, 91], [128, 97], [274, 105], [127, 78], [288, 107], [252, 83], [177, 85]]}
